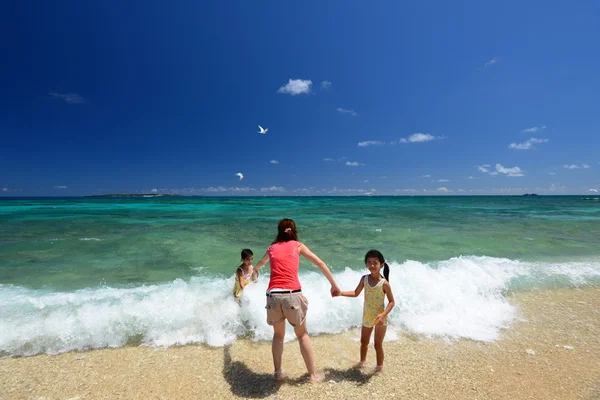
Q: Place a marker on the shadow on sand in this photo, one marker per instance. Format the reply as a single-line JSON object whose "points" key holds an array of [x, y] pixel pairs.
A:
{"points": [[244, 382]]}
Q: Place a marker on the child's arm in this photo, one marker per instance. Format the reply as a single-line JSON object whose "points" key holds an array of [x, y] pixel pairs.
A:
{"points": [[356, 291], [387, 289], [238, 273]]}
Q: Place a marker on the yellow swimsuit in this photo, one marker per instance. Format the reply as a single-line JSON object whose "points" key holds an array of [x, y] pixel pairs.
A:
{"points": [[237, 287], [374, 299]]}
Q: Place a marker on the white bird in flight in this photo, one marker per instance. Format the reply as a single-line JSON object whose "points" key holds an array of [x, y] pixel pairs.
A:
{"points": [[240, 175], [262, 130]]}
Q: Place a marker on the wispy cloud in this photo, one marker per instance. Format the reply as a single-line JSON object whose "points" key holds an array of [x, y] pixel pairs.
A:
{"points": [[296, 86], [154, 191], [443, 180], [533, 129], [70, 98], [491, 62], [500, 169], [60, 187], [370, 143], [574, 166], [526, 145], [471, 177], [326, 85], [274, 162], [5, 189], [593, 190], [514, 171], [353, 164], [339, 159], [346, 111], [419, 138], [443, 189], [551, 173], [425, 176], [273, 189]]}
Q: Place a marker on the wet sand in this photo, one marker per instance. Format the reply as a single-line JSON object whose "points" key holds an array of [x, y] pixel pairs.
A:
{"points": [[552, 352]]}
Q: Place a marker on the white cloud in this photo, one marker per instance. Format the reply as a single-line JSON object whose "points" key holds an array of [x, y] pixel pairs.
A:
{"points": [[70, 98], [154, 191], [551, 173], [370, 143], [328, 159], [274, 162], [491, 62], [425, 176], [5, 189], [573, 166], [366, 181], [443, 180], [346, 111], [326, 85], [353, 164], [60, 187], [273, 189], [526, 145], [593, 190], [296, 86], [533, 129], [499, 169], [419, 138], [514, 171], [471, 177], [443, 189]]}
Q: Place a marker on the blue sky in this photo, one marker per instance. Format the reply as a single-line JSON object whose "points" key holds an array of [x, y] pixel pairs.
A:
{"points": [[359, 97]]}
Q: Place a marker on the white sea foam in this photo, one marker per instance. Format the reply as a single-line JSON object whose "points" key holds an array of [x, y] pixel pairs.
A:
{"points": [[86, 239], [464, 297]]}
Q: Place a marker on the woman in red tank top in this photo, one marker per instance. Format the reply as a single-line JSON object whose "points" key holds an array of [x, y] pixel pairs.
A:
{"points": [[284, 294]]}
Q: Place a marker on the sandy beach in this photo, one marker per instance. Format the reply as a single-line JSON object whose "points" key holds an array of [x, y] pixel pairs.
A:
{"points": [[552, 352]]}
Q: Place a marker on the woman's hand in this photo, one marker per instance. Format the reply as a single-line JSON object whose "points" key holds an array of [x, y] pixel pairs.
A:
{"points": [[335, 291]]}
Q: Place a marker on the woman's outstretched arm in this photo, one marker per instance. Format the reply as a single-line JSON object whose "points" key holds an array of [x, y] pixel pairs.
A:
{"points": [[310, 256]]}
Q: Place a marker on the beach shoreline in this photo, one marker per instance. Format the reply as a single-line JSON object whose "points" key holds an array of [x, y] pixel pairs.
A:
{"points": [[551, 352]]}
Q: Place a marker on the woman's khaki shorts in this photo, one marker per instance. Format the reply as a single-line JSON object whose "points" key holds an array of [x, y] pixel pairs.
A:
{"points": [[290, 306]]}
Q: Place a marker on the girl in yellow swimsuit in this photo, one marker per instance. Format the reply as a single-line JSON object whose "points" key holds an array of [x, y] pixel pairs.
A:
{"points": [[244, 274], [377, 287]]}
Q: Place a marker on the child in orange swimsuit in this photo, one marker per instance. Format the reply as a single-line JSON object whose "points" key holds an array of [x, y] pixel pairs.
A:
{"points": [[377, 287], [244, 274]]}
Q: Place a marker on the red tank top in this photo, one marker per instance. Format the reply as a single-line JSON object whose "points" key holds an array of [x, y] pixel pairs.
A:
{"points": [[284, 260]]}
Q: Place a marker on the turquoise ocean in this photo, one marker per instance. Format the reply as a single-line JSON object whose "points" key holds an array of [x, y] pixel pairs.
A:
{"points": [[85, 273]]}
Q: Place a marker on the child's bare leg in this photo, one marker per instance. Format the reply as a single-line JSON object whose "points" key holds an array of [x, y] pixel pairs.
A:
{"points": [[277, 348], [379, 335], [365, 337]]}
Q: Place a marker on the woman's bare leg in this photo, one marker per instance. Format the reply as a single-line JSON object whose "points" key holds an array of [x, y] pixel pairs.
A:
{"points": [[306, 350], [277, 347]]}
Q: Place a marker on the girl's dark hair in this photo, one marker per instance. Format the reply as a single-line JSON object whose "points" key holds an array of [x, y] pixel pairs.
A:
{"points": [[377, 254], [246, 253], [286, 231]]}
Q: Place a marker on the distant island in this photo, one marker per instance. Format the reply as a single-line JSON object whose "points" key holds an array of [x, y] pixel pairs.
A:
{"points": [[135, 195], [530, 194]]}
